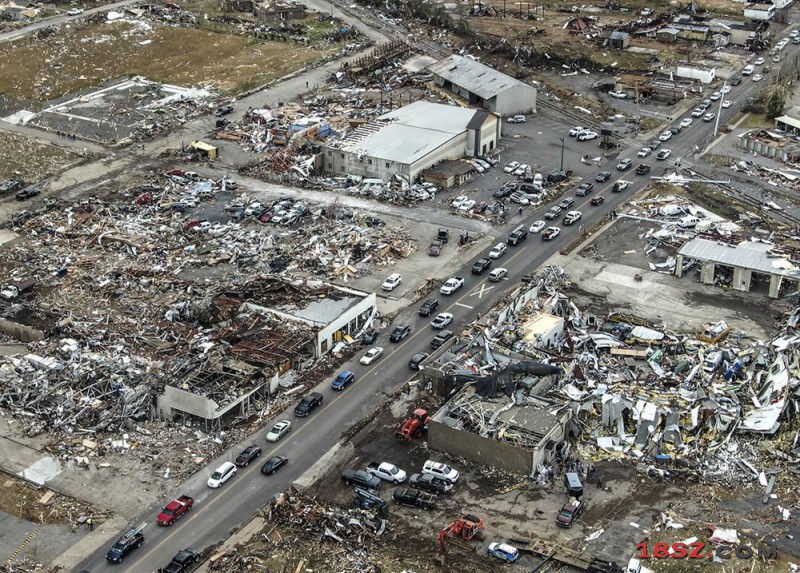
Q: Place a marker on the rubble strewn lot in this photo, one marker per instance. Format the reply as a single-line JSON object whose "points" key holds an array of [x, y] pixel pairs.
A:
{"points": [[29, 160]]}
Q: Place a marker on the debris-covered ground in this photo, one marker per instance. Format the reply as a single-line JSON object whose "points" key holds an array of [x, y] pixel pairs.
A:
{"points": [[29, 160]]}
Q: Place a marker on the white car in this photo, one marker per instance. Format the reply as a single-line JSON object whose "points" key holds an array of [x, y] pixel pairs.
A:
{"points": [[709, 116], [516, 119], [725, 89], [458, 201], [727, 103], [392, 282], [477, 166], [686, 122], [587, 135], [510, 167], [75, 12], [441, 320], [665, 136], [794, 34], [715, 96], [280, 429], [466, 206], [575, 131], [758, 78], [644, 152], [537, 227], [440, 470], [620, 95], [222, 474], [498, 274], [572, 217], [498, 251], [760, 61], [663, 154], [371, 355], [521, 169], [698, 112]]}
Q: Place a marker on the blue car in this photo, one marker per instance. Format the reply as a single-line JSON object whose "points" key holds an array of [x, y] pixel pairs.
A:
{"points": [[343, 380], [503, 551]]}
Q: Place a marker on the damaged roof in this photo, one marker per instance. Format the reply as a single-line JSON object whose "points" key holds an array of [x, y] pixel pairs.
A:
{"points": [[750, 255], [474, 76]]}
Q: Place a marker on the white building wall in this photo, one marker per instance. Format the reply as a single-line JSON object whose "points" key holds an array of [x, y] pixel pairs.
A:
{"points": [[782, 3], [456, 148], [514, 100], [704, 76], [326, 334], [760, 14]]}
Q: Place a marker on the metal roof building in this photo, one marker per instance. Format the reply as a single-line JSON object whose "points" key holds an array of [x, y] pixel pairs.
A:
{"points": [[746, 258], [410, 139], [484, 86]]}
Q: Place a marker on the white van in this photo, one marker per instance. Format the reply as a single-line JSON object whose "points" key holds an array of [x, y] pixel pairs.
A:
{"points": [[688, 222], [748, 70]]}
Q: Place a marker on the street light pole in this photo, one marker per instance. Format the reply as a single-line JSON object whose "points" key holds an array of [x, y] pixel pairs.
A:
{"points": [[562, 155], [719, 109]]}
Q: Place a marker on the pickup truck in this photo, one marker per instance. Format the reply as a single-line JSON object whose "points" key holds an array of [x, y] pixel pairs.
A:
{"points": [[430, 483], [361, 479], [182, 562], [414, 498], [174, 510], [387, 472], [452, 285]]}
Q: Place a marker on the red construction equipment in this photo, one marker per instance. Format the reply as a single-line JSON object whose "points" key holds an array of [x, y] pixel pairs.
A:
{"points": [[415, 426], [460, 532]]}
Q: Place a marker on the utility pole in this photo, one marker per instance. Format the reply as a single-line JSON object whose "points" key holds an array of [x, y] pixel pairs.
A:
{"points": [[562, 155], [719, 110]]}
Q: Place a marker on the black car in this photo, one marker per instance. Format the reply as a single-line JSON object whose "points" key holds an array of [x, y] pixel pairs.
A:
{"points": [[643, 169], [517, 236], [133, 539], [9, 186], [224, 110], [20, 217], [361, 478], [557, 177], [182, 562], [248, 455], [603, 176], [736, 80], [370, 336], [428, 307], [655, 144], [431, 483], [28, 193], [481, 265], [399, 333], [273, 464], [416, 361], [307, 404], [441, 338], [503, 192]]}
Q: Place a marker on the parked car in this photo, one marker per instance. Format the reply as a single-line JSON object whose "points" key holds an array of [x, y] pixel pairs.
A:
{"points": [[686, 122], [370, 336], [510, 167], [551, 233], [603, 176], [431, 483], [222, 474], [279, 430], [182, 562], [75, 12], [556, 177], [569, 513], [572, 217], [343, 380], [224, 110], [248, 455], [575, 131], [498, 274], [361, 478], [624, 164], [519, 198], [371, 355], [392, 282], [10, 185], [516, 119], [480, 208], [442, 471], [400, 332], [307, 404], [584, 189], [416, 361], [441, 320], [479, 266], [587, 135], [759, 61], [599, 200], [274, 464], [537, 226], [27, 193], [428, 307], [503, 551], [521, 168], [617, 94]]}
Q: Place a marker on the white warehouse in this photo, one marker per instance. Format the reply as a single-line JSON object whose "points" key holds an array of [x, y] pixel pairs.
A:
{"points": [[484, 86], [408, 140]]}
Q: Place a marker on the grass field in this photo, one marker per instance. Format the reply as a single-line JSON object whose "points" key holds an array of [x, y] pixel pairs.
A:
{"points": [[85, 56], [31, 160]]}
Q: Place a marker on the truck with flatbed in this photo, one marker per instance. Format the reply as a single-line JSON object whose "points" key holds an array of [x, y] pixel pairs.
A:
{"points": [[414, 498], [174, 510], [452, 285], [387, 472]]}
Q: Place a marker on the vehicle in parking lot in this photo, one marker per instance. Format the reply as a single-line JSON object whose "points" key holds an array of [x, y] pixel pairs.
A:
{"points": [[371, 355], [280, 429], [387, 472], [624, 164], [572, 217], [430, 483], [599, 200], [498, 251], [517, 236], [452, 284], [698, 112], [521, 168], [587, 135], [516, 119], [479, 266], [686, 122], [222, 474], [442, 471], [416, 361], [519, 198], [248, 455], [619, 186], [441, 320], [537, 226], [458, 201], [644, 152], [504, 191], [361, 478], [307, 404], [510, 167], [480, 208], [709, 116], [498, 274], [569, 513], [556, 176], [575, 131], [603, 176], [643, 169], [466, 206], [274, 464], [392, 282], [435, 248], [665, 136], [551, 233], [441, 338], [428, 307], [552, 213], [400, 332], [503, 551], [663, 154], [566, 202], [584, 189]]}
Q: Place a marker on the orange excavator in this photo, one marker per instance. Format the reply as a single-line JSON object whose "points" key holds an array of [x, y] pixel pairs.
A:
{"points": [[461, 532], [414, 426]]}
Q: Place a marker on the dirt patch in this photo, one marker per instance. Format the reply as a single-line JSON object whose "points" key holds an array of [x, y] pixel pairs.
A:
{"points": [[83, 56], [30, 160], [39, 504]]}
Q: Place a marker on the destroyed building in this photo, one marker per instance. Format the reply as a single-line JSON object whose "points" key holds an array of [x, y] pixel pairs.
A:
{"points": [[484, 86], [406, 141]]}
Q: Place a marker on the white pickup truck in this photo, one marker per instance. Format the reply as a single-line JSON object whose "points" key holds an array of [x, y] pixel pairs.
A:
{"points": [[452, 285], [387, 472]]}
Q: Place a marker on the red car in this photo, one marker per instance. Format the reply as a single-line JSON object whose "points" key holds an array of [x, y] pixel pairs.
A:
{"points": [[189, 223], [598, 200], [178, 172], [174, 510]]}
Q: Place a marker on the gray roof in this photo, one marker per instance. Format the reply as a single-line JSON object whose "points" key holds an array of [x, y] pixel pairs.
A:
{"points": [[747, 255], [474, 76], [619, 35]]}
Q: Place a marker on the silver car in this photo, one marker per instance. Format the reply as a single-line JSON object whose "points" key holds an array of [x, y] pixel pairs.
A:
{"points": [[279, 430]]}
